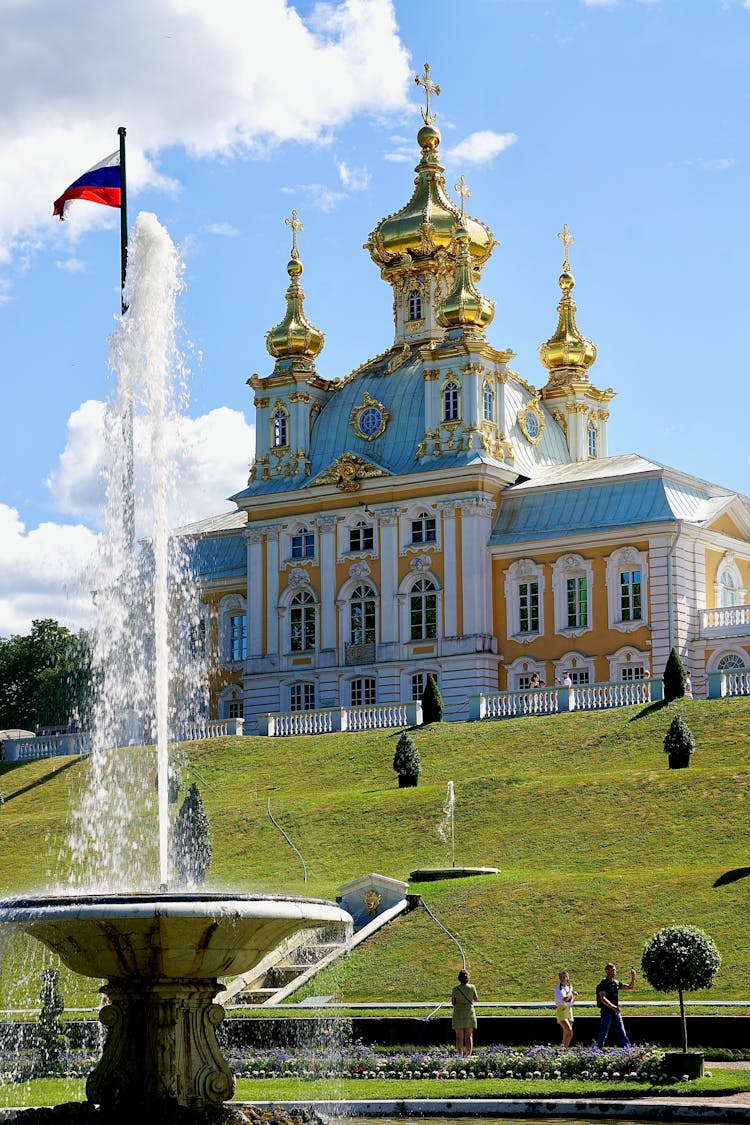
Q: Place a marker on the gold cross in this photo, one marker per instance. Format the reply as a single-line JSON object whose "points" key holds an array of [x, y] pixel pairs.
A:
{"points": [[567, 240], [429, 88], [296, 225], [463, 190]]}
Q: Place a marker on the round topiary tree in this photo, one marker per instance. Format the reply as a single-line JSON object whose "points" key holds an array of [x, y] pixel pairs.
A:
{"points": [[679, 743], [406, 762], [191, 840], [432, 702], [674, 677], [680, 959]]}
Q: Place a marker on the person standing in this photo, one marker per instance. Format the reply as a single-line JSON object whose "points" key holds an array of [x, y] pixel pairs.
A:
{"points": [[608, 1000], [565, 998], [463, 998]]}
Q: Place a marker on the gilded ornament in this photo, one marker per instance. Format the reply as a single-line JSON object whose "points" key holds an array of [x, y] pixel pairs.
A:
{"points": [[261, 402], [370, 418], [398, 360], [531, 421], [347, 471]]}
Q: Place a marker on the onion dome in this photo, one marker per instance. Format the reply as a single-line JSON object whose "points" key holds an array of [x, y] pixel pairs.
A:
{"points": [[294, 337], [567, 351], [464, 306], [427, 223]]}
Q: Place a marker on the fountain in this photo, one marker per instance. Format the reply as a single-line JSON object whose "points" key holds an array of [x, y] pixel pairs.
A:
{"points": [[160, 952]]}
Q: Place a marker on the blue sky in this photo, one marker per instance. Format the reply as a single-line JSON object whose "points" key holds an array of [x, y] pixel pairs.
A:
{"points": [[626, 119]]}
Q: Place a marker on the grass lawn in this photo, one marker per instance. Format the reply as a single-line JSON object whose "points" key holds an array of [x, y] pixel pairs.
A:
{"points": [[598, 845], [48, 1091]]}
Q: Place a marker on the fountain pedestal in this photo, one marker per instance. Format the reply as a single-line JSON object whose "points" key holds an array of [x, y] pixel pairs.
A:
{"points": [[162, 956]]}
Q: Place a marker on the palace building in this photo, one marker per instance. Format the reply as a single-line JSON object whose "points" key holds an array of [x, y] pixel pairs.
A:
{"points": [[435, 512]]}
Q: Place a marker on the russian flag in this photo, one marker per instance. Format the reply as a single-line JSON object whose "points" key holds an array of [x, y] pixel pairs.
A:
{"points": [[101, 184]]}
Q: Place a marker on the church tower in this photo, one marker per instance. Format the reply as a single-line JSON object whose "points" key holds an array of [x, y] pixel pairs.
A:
{"points": [[575, 403], [288, 401]]}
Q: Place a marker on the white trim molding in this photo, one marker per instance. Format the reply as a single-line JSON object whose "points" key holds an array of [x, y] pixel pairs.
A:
{"points": [[626, 559], [519, 573], [571, 566], [628, 657]]}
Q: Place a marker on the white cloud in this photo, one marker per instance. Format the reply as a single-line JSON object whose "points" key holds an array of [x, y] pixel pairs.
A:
{"points": [[355, 179], [319, 196], [72, 265], [479, 148], [41, 572], [600, 3], [266, 76], [223, 230], [211, 456]]}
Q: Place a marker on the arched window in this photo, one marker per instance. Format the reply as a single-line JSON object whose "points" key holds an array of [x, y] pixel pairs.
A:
{"points": [[362, 630], [450, 402], [302, 622], [729, 588], [302, 697], [731, 663], [303, 544], [279, 427], [593, 437], [415, 305], [488, 403], [424, 529], [423, 610]]}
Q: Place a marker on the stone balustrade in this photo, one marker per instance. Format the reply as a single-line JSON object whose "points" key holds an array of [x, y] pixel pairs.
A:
{"points": [[56, 745], [735, 681], [725, 621], [376, 716], [554, 700]]}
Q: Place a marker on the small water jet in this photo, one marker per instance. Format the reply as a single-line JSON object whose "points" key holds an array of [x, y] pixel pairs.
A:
{"points": [[160, 952]]}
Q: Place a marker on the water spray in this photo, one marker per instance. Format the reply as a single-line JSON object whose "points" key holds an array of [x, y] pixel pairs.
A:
{"points": [[445, 930], [447, 827]]}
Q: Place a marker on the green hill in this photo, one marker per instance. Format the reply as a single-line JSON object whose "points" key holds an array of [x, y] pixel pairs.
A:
{"points": [[598, 843]]}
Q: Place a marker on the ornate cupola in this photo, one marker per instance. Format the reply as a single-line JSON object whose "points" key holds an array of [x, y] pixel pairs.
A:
{"points": [[294, 338], [415, 247], [575, 403], [288, 401], [464, 311]]}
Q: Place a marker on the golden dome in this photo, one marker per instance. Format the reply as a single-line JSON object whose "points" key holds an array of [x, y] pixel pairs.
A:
{"points": [[427, 223], [464, 306], [294, 337], [567, 351]]}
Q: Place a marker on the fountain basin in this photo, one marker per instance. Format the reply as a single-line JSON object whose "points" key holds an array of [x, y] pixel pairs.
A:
{"points": [[162, 956]]}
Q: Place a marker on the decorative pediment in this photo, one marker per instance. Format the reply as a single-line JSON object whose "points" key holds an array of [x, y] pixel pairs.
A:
{"points": [[347, 471]]}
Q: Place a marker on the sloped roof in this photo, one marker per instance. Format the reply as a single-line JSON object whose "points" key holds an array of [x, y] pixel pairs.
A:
{"points": [[609, 492], [215, 552]]}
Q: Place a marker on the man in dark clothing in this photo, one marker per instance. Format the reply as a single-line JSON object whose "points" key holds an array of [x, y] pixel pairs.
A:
{"points": [[608, 999]]}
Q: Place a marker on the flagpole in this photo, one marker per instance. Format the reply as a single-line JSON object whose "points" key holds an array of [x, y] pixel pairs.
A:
{"points": [[128, 514]]}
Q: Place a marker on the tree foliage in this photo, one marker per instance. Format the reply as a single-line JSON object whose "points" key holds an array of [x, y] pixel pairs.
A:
{"points": [[679, 743], [680, 959], [432, 702], [45, 677], [406, 761], [674, 677], [192, 848]]}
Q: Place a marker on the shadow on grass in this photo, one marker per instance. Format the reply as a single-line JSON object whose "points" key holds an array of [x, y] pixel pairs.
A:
{"points": [[732, 876], [649, 709], [41, 780]]}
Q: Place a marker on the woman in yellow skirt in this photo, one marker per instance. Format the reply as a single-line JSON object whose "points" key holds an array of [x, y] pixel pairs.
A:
{"points": [[565, 998]]}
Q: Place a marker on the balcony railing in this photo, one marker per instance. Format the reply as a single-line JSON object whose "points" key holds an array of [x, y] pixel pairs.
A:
{"points": [[554, 700], [377, 716], [725, 621], [735, 681]]}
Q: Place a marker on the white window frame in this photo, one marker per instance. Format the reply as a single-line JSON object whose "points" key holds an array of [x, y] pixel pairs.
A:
{"points": [[364, 686], [522, 669], [520, 572], [571, 566], [276, 431], [592, 438], [309, 549], [309, 604], [728, 567], [307, 691], [231, 694], [725, 653], [414, 301], [233, 605], [432, 591], [454, 402], [360, 528], [629, 657], [488, 397], [575, 663], [424, 517], [626, 559], [363, 584]]}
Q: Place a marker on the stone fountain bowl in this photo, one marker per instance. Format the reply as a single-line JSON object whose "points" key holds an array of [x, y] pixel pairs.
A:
{"points": [[165, 936]]}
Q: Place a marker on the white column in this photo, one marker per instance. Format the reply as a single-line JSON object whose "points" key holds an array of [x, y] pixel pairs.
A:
{"points": [[254, 537], [450, 579], [388, 536], [476, 524], [327, 534], [272, 590]]}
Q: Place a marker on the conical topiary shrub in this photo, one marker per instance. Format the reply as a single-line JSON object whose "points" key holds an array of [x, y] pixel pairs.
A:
{"points": [[432, 702], [674, 677], [679, 743], [406, 762], [191, 840]]}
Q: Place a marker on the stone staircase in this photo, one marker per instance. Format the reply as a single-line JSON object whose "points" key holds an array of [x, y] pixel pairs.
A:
{"points": [[287, 968]]}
